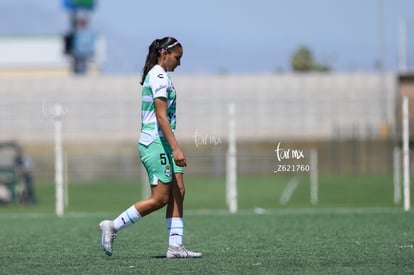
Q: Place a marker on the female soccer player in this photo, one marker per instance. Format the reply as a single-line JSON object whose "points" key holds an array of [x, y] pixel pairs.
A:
{"points": [[159, 151]]}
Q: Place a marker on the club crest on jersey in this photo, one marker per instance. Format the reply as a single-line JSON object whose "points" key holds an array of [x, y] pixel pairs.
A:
{"points": [[161, 76], [167, 171]]}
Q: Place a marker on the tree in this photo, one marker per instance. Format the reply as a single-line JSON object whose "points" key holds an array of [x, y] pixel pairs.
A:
{"points": [[302, 61]]}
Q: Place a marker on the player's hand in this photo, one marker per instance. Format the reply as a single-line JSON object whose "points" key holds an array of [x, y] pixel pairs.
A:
{"points": [[179, 158]]}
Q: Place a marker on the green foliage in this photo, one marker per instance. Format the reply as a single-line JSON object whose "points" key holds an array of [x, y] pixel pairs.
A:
{"points": [[303, 61]]}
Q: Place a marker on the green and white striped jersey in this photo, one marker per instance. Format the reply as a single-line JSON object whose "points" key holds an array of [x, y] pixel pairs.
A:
{"points": [[157, 84]]}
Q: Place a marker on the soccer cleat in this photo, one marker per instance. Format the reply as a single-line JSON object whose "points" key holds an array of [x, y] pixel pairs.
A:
{"points": [[108, 236], [180, 252]]}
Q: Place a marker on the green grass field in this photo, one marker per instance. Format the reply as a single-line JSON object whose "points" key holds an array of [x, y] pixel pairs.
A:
{"points": [[354, 229]]}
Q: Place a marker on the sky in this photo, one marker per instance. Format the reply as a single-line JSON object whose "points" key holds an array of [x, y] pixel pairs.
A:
{"points": [[234, 36]]}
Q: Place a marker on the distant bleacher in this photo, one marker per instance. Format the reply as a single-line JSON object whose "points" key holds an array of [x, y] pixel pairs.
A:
{"points": [[268, 107], [101, 121]]}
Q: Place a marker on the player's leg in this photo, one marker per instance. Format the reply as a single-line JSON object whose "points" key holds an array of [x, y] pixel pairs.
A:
{"points": [[160, 194], [159, 198], [175, 221], [174, 213], [160, 179], [158, 167], [176, 198]]}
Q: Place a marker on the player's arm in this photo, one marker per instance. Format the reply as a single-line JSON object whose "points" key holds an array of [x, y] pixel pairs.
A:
{"points": [[161, 115]]}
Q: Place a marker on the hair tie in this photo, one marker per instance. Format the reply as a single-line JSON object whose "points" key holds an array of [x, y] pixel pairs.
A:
{"points": [[172, 45]]}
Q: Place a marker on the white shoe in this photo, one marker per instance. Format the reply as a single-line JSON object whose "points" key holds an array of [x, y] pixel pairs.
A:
{"points": [[181, 252], [108, 236]]}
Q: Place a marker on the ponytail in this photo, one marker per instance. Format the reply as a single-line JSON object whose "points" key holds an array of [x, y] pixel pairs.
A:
{"points": [[154, 51]]}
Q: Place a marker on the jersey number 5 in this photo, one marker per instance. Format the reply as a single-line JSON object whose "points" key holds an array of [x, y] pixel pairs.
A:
{"points": [[163, 159]]}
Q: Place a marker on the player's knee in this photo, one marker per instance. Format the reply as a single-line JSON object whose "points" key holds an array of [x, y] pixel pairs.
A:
{"points": [[160, 201], [163, 200]]}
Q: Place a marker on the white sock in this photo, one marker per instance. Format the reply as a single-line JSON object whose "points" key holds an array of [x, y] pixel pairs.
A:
{"points": [[128, 217], [175, 227]]}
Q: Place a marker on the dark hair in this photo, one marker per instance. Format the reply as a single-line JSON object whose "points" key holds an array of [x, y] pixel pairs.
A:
{"points": [[154, 51]]}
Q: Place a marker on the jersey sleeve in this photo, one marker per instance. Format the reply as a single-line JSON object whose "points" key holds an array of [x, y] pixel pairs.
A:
{"points": [[159, 85]]}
